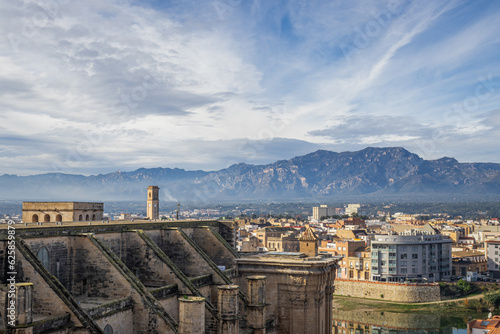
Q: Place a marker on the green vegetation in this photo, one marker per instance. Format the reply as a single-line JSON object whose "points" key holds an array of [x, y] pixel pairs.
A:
{"points": [[458, 300], [493, 298], [460, 289], [464, 286]]}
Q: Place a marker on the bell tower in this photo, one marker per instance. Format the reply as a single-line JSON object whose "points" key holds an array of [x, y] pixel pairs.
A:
{"points": [[153, 202]]}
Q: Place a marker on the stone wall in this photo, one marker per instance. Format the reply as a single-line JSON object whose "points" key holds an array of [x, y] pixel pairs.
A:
{"points": [[405, 293], [120, 322], [214, 248]]}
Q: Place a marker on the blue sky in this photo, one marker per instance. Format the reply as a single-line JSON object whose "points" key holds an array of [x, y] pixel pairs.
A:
{"points": [[92, 87]]}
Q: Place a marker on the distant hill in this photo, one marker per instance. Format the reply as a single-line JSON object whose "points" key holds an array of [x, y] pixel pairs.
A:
{"points": [[391, 172]]}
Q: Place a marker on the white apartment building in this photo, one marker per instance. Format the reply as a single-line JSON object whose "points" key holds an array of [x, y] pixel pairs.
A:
{"points": [[493, 257], [412, 254]]}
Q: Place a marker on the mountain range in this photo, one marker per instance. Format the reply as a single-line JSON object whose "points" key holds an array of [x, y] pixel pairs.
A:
{"points": [[371, 173]]}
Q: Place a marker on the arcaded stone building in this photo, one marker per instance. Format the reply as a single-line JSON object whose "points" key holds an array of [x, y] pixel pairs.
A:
{"points": [[138, 277], [45, 212]]}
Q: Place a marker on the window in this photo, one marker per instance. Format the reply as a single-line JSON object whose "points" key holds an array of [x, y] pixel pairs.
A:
{"points": [[403, 248], [108, 329], [414, 270], [414, 256], [43, 256], [403, 271], [414, 263], [414, 248], [403, 263], [404, 256]]}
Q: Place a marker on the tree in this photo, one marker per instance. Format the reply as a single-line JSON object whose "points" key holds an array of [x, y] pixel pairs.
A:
{"points": [[464, 286], [493, 298]]}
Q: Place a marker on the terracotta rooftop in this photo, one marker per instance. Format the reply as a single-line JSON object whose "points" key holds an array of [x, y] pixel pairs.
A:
{"points": [[308, 235], [493, 323]]}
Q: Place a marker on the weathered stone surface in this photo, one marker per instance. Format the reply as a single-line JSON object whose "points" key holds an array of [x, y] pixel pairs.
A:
{"points": [[409, 293], [129, 276]]}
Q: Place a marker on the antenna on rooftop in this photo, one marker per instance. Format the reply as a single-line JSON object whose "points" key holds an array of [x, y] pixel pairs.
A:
{"points": [[178, 207]]}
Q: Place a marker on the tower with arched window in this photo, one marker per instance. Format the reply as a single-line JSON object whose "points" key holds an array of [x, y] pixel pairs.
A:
{"points": [[153, 202]]}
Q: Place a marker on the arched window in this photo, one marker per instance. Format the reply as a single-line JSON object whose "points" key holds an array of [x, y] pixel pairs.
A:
{"points": [[108, 329], [87, 217], [46, 218], [93, 216], [34, 219], [80, 218], [58, 218], [43, 256]]}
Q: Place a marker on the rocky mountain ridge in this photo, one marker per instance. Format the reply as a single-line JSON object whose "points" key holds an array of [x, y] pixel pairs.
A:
{"points": [[371, 173]]}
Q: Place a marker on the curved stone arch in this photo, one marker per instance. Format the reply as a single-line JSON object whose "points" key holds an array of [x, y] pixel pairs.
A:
{"points": [[34, 218], [93, 217], [108, 329], [46, 218], [43, 256], [87, 217], [80, 218], [58, 217]]}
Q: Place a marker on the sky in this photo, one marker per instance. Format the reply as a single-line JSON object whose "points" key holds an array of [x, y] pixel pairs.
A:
{"points": [[89, 87]]}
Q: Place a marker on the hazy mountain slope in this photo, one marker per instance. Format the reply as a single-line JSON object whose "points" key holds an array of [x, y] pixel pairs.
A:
{"points": [[322, 174]]}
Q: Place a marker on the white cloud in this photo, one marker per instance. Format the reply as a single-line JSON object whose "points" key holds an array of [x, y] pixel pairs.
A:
{"points": [[124, 84]]}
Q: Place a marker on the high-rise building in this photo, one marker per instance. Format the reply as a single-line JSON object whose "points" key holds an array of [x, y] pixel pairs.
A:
{"points": [[153, 202], [322, 211]]}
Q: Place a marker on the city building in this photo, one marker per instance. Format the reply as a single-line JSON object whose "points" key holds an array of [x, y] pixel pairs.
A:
{"points": [[271, 237], [355, 262], [357, 209], [414, 254], [322, 211], [480, 326], [45, 212], [468, 261], [492, 257]]}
